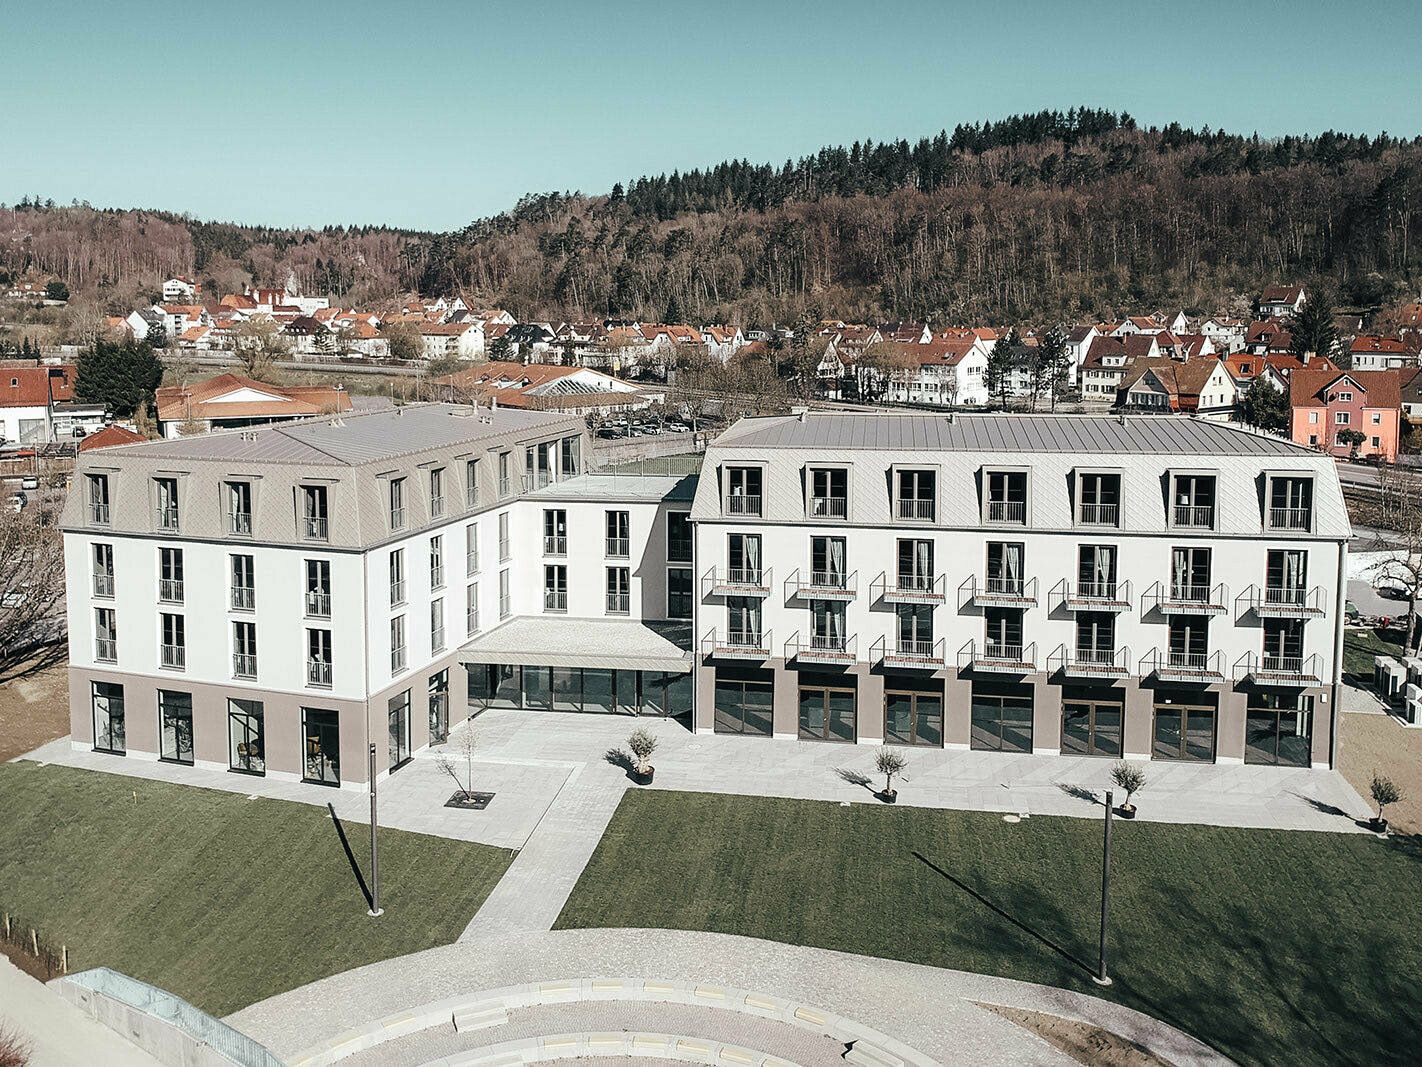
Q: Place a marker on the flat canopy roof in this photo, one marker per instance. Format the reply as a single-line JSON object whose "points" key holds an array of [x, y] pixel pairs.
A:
{"points": [[624, 644]]}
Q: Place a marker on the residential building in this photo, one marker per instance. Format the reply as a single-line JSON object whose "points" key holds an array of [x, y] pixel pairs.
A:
{"points": [[1226, 333], [1329, 404], [1371, 352], [1108, 360], [453, 340], [180, 290], [37, 406], [1202, 386], [542, 387], [949, 373], [230, 401], [1282, 301]]}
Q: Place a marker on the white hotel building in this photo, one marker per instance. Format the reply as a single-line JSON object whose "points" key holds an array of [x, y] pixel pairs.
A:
{"points": [[275, 600]]}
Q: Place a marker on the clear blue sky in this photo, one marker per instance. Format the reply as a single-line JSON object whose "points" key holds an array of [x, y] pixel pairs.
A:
{"points": [[431, 114]]}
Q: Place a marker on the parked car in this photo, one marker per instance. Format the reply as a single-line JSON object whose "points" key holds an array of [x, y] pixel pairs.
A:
{"points": [[29, 481], [18, 501]]}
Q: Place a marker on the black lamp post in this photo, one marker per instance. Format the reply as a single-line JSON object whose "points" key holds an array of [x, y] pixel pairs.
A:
{"points": [[1100, 977], [375, 908]]}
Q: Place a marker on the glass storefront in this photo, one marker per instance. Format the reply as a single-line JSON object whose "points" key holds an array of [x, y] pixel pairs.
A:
{"points": [[1185, 725], [583, 689], [246, 745], [321, 731], [1279, 729], [1091, 722], [439, 707], [827, 712], [1002, 718], [399, 724], [175, 726], [912, 715], [745, 706]]}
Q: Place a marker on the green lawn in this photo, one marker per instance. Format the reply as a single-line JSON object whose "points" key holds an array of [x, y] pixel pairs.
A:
{"points": [[219, 899], [1273, 946], [1359, 648]]}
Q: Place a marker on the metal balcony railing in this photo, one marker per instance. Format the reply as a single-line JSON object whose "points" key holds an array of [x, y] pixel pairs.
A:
{"points": [[998, 657], [619, 547], [318, 672], [170, 590], [106, 650], [397, 593], [1282, 602], [914, 510], [737, 644], [532, 482], [1100, 514], [315, 527], [244, 598], [1201, 668], [1194, 516], [743, 504], [436, 507], [397, 660], [555, 545], [318, 605], [822, 648], [397, 518], [168, 518], [1290, 519], [828, 507], [909, 588], [909, 652], [99, 514], [239, 522], [736, 581], [1007, 511], [244, 665], [555, 600], [104, 585], [1173, 598], [1090, 662], [619, 603], [1090, 596], [1271, 669], [172, 656], [821, 585], [998, 592]]}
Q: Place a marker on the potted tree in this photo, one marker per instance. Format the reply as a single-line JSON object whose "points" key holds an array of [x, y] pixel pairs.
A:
{"points": [[642, 744], [1132, 779], [889, 762], [1384, 793]]}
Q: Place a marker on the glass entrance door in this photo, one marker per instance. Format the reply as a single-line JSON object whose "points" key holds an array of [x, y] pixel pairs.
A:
{"points": [[246, 745], [913, 718], [826, 714], [399, 721], [439, 707], [1092, 727], [1184, 730], [744, 707]]}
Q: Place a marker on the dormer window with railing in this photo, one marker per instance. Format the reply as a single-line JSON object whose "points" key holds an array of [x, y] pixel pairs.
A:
{"points": [[829, 493], [915, 492], [238, 508], [166, 503], [437, 493], [743, 490], [1290, 503], [1098, 499], [397, 503], [1005, 497], [98, 491], [314, 512], [170, 575], [1192, 501]]}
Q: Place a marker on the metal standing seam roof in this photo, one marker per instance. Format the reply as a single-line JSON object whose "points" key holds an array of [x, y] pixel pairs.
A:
{"points": [[1090, 434]]}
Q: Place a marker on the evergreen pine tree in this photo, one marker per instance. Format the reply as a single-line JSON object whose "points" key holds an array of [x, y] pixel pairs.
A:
{"points": [[1312, 329]]}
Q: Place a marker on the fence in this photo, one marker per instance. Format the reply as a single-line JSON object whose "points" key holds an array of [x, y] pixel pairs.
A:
{"points": [[39, 956], [164, 1025]]}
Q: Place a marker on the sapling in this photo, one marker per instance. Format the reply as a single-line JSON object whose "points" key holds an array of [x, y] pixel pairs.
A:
{"points": [[889, 762], [1129, 777], [468, 745], [1384, 793]]}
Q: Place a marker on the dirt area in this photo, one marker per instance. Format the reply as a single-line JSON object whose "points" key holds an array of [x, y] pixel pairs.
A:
{"points": [[34, 709], [1379, 744], [1081, 1041]]}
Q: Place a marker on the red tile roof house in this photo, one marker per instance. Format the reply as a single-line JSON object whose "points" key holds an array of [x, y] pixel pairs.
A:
{"points": [[1202, 386], [1327, 403], [230, 401], [1282, 301], [1371, 352]]}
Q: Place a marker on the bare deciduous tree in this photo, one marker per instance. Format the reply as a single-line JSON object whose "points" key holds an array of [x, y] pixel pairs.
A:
{"points": [[468, 748], [31, 591], [258, 344]]}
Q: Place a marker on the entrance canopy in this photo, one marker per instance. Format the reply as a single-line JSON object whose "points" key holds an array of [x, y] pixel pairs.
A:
{"points": [[623, 644]]}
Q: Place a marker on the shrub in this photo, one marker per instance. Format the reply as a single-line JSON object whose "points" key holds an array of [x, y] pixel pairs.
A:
{"points": [[14, 1050], [1129, 777], [642, 744], [1384, 793], [889, 762]]}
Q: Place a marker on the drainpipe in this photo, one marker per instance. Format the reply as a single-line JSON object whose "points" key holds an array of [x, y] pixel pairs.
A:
{"points": [[1339, 611]]}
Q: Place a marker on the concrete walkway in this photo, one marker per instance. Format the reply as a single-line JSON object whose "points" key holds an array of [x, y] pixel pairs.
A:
{"points": [[933, 1010], [58, 1033]]}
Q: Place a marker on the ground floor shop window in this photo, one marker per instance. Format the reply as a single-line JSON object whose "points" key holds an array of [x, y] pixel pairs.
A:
{"points": [[246, 743], [912, 716], [398, 719], [107, 701], [827, 712], [175, 726], [744, 706], [1002, 718], [585, 689], [1279, 729], [1091, 722], [321, 731], [1185, 725], [439, 707]]}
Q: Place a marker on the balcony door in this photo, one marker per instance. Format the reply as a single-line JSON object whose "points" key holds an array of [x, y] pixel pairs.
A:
{"points": [[913, 717], [915, 629], [743, 557], [1096, 571], [744, 707], [1004, 568], [743, 620], [827, 562], [1004, 633], [1189, 642], [827, 713], [1095, 637], [828, 622], [1283, 645], [1189, 573], [916, 565], [1184, 727], [1286, 576]]}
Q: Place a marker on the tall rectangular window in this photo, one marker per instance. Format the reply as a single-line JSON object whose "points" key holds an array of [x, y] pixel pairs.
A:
{"points": [[397, 644], [244, 650], [238, 507], [397, 503], [246, 740], [166, 490], [1005, 568], [679, 592], [437, 624], [1190, 574], [504, 537], [104, 570], [1290, 503], [829, 493], [915, 566], [318, 588], [743, 490], [397, 577], [1006, 496], [244, 582], [1193, 501], [318, 658], [471, 609], [108, 713], [915, 495], [555, 532], [743, 558], [619, 534], [619, 591], [437, 562], [175, 727], [505, 599], [1096, 572], [172, 650], [1098, 499], [437, 493], [105, 635], [555, 588], [170, 575], [572, 455], [471, 549], [678, 537], [314, 513], [504, 475], [471, 483], [398, 717], [98, 487], [321, 743], [827, 562]]}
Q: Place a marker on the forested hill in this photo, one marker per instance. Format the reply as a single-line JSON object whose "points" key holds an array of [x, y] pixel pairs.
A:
{"points": [[1058, 213]]}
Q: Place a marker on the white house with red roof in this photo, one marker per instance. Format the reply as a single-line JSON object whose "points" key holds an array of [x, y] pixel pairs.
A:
{"points": [[1226, 333], [37, 405], [453, 340], [180, 290], [1371, 352], [1282, 301]]}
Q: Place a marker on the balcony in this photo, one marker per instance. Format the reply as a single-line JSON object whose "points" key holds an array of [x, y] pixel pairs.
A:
{"points": [[554, 545], [828, 507], [913, 510], [619, 547], [1191, 668], [910, 654], [541, 480], [173, 657], [244, 598], [737, 644], [555, 600], [104, 586], [99, 514], [823, 649], [318, 605], [1194, 516], [736, 581], [243, 665], [619, 603], [1099, 515], [821, 585], [106, 650], [909, 589], [1269, 669], [1174, 599], [170, 590], [314, 526], [168, 519], [996, 658], [1091, 596], [743, 504], [1090, 662], [318, 673], [240, 523], [1299, 519], [998, 592], [1013, 511], [1279, 602]]}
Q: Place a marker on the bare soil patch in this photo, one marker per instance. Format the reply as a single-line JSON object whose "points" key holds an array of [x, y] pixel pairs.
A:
{"points": [[34, 709], [1081, 1041], [1379, 744]]}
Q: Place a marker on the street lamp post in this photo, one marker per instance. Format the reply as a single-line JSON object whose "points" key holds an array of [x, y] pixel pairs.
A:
{"points": [[375, 908], [1100, 977]]}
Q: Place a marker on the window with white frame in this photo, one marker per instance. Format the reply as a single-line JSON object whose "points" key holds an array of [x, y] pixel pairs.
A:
{"points": [[471, 609], [437, 562], [397, 644], [397, 577], [437, 624], [471, 548]]}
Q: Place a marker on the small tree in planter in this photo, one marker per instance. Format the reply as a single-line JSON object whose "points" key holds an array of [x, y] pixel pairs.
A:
{"points": [[889, 762], [1132, 779], [464, 795], [1384, 793], [642, 744]]}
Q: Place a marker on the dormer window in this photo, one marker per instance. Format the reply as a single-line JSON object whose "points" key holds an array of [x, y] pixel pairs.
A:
{"points": [[238, 507], [743, 489], [1098, 499], [437, 493], [397, 503], [98, 485], [1192, 501], [314, 512], [914, 495], [166, 490], [829, 493], [1290, 503], [1006, 497]]}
